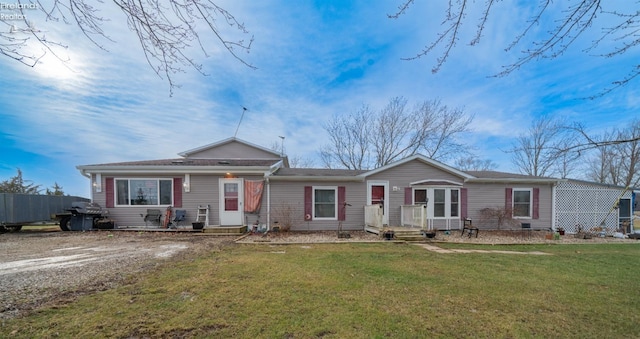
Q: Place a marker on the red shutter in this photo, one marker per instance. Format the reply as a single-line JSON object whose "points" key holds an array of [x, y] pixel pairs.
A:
{"points": [[177, 192], [408, 198], [508, 203], [308, 200], [108, 189], [463, 203], [342, 208], [536, 203]]}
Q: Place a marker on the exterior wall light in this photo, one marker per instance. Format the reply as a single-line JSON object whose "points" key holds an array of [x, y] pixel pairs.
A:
{"points": [[97, 183], [187, 183]]}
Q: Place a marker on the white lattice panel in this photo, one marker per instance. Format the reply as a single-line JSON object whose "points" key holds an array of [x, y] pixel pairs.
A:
{"points": [[587, 205]]}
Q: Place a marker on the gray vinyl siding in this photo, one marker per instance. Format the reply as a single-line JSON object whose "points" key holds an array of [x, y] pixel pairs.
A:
{"points": [[401, 176], [204, 191], [233, 150], [291, 194], [492, 195], [127, 216]]}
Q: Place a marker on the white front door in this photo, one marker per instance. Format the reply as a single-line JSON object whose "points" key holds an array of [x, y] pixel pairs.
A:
{"points": [[231, 202]]}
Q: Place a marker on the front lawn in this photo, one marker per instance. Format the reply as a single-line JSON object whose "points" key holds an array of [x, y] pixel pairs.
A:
{"points": [[363, 291]]}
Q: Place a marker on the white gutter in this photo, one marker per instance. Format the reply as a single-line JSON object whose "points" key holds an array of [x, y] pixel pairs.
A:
{"points": [[84, 173]]}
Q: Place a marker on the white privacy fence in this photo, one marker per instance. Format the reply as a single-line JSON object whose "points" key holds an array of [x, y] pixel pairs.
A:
{"points": [[587, 207]]}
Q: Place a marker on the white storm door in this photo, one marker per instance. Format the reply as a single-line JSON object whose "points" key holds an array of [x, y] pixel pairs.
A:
{"points": [[378, 194], [231, 202]]}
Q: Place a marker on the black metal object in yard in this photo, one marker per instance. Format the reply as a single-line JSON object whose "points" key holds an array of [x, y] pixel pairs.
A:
{"points": [[469, 228], [342, 234], [84, 216]]}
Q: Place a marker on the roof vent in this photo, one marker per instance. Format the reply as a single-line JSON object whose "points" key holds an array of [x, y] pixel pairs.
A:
{"points": [[223, 162]]}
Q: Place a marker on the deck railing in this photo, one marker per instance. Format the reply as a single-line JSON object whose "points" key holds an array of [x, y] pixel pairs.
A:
{"points": [[416, 216], [373, 215]]}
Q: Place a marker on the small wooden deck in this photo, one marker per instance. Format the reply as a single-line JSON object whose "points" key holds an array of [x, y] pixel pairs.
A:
{"points": [[400, 232]]}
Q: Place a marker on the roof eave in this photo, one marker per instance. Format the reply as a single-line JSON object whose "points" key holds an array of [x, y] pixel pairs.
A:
{"points": [[425, 160], [316, 178], [159, 169]]}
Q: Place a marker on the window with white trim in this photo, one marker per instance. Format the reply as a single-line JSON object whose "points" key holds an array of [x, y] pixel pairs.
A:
{"points": [[420, 197], [439, 203], [454, 203], [148, 192], [325, 203], [522, 198], [442, 202]]}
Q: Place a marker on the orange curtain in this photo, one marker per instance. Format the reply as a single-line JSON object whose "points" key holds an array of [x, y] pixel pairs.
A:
{"points": [[253, 195]]}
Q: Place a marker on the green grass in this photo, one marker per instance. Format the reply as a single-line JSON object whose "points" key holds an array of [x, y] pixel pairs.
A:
{"points": [[364, 291]]}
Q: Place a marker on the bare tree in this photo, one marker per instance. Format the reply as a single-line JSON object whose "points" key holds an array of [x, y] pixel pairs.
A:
{"points": [[535, 152], [165, 30], [472, 163], [601, 165], [577, 17], [298, 161], [367, 139], [630, 155], [350, 140], [295, 161]]}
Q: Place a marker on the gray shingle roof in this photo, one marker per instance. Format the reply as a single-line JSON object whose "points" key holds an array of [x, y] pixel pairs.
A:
{"points": [[502, 175], [317, 172]]}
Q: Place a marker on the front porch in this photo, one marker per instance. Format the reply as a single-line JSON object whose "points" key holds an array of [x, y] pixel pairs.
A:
{"points": [[413, 222]]}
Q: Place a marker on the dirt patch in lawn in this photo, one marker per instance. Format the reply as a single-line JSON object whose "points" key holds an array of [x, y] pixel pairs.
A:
{"points": [[44, 267]]}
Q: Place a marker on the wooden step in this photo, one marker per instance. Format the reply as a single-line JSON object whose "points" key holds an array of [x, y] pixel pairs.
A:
{"points": [[228, 230]]}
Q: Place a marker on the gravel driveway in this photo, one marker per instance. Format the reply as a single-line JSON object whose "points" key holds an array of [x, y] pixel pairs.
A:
{"points": [[41, 267]]}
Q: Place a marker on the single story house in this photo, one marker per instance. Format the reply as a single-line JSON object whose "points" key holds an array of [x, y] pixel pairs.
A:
{"points": [[233, 182]]}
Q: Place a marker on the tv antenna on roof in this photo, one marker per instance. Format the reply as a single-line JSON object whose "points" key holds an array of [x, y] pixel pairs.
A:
{"points": [[244, 109], [282, 146]]}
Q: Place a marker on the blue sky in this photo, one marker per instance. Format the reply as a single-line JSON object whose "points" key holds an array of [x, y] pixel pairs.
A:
{"points": [[314, 59]]}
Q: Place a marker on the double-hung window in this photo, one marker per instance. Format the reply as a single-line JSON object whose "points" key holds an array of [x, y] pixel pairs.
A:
{"points": [[439, 203], [325, 201], [153, 192], [522, 199], [454, 202]]}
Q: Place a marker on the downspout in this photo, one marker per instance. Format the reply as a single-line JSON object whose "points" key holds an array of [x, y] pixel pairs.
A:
{"points": [[86, 175], [267, 174], [553, 206], [268, 201]]}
